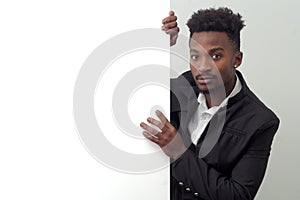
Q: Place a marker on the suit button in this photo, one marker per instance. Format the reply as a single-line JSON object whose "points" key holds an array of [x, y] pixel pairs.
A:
{"points": [[188, 189], [180, 183], [196, 194]]}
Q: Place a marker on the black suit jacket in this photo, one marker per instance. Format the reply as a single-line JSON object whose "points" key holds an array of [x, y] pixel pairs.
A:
{"points": [[231, 156]]}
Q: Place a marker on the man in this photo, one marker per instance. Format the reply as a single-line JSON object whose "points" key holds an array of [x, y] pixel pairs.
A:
{"points": [[220, 134]]}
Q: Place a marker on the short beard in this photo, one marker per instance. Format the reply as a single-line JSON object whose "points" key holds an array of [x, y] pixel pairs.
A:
{"points": [[203, 91], [207, 90]]}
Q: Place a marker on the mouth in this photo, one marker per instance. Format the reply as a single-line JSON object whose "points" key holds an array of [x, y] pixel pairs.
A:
{"points": [[203, 79]]}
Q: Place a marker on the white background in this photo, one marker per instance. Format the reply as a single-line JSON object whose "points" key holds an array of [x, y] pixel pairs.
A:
{"points": [[42, 47], [270, 42]]}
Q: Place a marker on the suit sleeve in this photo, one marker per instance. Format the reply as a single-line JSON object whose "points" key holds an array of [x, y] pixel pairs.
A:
{"points": [[198, 180]]}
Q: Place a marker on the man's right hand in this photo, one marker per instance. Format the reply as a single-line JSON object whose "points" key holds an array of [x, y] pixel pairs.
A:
{"points": [[170, 27]]}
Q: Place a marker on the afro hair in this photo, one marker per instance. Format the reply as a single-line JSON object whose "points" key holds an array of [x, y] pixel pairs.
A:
{"points": [[221, 20]]}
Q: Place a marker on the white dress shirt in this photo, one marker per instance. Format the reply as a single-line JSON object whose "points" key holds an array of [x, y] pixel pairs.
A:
{"points": [[203, 115]]}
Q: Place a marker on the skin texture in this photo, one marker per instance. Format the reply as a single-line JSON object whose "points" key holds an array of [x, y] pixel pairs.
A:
{"points": [[170, 27], [213, 60], [167, 138]]}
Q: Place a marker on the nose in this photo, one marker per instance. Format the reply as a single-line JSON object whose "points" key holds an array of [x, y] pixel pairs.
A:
{"points": [[205, 64]]}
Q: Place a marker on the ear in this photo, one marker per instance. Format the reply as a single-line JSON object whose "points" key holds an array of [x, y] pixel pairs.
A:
{"points": [[238, 58]]}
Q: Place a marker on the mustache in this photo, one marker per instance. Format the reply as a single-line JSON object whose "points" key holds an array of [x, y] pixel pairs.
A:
{"points": [[203, 76], [198, 77]]}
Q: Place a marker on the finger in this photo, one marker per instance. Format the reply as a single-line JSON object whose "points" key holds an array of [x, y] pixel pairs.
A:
{"points": [[151, 137], [149, 128], [161, 116], [169, 19], [170, 25], [165, 121], [155, 122], [171, 13]]}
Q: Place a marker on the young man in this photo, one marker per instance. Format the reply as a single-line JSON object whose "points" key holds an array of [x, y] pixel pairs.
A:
{"points": [[220, 135]]}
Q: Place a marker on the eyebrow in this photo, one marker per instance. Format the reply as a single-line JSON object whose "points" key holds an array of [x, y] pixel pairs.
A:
{"points": [[216, 49], [194, 50], [210, 51]]}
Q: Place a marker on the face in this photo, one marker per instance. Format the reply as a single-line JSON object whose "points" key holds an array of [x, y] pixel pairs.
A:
{"points": [[213, 60]]}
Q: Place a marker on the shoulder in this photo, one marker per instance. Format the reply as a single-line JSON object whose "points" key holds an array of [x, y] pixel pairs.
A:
{"points": [[262, 114], [247, 107]]}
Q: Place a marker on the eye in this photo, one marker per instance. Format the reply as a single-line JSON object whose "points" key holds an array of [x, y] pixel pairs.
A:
{"points": [[216, 56], [194, 57]]}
